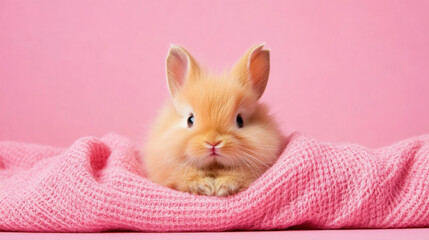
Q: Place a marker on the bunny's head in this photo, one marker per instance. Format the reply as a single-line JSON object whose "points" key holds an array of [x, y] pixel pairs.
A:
{"points": [[217, 119]]}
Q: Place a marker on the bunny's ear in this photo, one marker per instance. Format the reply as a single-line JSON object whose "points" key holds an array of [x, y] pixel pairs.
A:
{"points": [[179, 65], [254, 68]]}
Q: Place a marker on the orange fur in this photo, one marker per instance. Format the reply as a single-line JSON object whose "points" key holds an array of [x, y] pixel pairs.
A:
{"points": [[178, 156]]}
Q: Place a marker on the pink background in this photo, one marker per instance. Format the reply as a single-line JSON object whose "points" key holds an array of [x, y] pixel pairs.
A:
{"points": [[355, 71], [349, 234]]}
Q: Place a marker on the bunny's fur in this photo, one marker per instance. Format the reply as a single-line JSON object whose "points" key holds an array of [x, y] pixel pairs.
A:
{"points": [[181, 157]]}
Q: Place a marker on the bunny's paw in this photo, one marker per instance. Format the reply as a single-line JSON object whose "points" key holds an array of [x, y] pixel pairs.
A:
{"points": [[226, 185], [202, 186]]}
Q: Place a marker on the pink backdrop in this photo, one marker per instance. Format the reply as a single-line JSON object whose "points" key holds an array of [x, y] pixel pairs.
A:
{"points": [[355, 71]]}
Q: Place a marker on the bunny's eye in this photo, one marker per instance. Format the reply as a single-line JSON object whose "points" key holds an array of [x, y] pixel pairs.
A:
{"points": [[191, 120], [239, 121]]}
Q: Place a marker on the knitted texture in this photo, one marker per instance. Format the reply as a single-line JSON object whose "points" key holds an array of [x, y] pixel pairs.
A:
{"points": [[98, 185]]}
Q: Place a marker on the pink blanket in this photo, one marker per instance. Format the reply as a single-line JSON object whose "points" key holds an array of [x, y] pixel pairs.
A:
{"points": [[95, 185]]}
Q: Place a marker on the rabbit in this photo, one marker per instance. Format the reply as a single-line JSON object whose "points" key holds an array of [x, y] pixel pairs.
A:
{"points": [[213, 136]]}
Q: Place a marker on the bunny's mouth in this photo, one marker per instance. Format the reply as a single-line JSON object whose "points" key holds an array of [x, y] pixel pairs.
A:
{"points": [[212, 160], [217, 159]]}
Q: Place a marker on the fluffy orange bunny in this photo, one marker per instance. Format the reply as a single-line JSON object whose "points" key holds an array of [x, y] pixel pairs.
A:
{"points": [[213, 137]]}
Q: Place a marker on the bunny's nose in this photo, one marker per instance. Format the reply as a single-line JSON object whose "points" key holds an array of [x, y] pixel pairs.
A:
{"points": [[211, 144]]}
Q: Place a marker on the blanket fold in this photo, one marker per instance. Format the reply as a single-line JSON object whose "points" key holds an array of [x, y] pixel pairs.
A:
{"points": [[98, 184]]}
